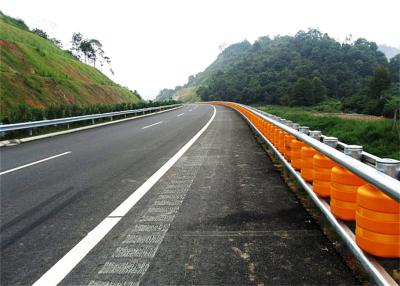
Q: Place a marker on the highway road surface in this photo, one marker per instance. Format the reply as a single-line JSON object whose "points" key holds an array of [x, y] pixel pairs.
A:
{"points": [[184, 197]]}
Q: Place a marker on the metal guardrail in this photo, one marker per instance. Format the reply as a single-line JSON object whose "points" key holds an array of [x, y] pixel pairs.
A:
{"points": [[366, 158], [43, 123], [386, 183]]}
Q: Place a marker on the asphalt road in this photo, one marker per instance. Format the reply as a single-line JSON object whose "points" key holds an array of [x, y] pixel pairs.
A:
{"points": [[49, 207], [221, 215]]}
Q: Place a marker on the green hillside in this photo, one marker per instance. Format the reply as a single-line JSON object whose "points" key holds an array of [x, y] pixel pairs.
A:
{"points": [[224, 60], [35, 72], [307, 69]]}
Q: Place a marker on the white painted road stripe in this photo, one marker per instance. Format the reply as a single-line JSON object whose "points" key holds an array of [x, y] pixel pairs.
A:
{"points": [[180, 114], [64, 266], [152, 125], [34, 163]]}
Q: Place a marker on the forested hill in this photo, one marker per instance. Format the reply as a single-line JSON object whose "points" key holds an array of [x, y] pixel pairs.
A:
{"points": [[307, 69], [36, 73]]}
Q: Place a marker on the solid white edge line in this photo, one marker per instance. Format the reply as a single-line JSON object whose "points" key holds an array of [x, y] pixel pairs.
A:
{"points": [[152, 125], [180, 114], [60, 270], [34, 163]]}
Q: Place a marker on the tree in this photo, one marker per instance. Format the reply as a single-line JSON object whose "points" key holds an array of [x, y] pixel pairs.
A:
{"points": [[86, 49], [318, 90], [302, 93], [394, 68], [40, 33], [57, 42], [91, 50], [76, 43], [379, 82], [203, 93], [96, 51]]}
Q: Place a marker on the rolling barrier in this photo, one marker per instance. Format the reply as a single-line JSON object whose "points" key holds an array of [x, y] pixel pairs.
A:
{"points": [[346, 183], [67, 120]]}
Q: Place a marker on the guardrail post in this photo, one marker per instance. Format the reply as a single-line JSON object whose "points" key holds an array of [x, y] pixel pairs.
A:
{"points": [[30, 131], [331, 141], [111, 118], [67, 125], [92, 121], [304, 129], [390, 167], [2, 134]]}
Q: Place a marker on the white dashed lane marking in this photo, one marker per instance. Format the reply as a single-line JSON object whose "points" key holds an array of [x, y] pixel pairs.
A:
{"points": [[154, 124], [34, 163]]}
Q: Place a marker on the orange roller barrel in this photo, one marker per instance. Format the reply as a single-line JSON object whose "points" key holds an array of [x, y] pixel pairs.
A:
{"points": [[322, 175], [322, 170], [275, 136], [344, 185], [288, 146], [378, 218], [295, 153], [281, 141], [307, 161], [288, 142]]}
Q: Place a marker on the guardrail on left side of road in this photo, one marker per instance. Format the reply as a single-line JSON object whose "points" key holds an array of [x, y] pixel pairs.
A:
{"points": [[67, 120]]}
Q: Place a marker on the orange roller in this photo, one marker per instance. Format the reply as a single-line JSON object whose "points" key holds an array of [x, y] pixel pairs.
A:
{"points": [[322, 170], [295, 153], [288, 142], [307, 163], [344, 185], [274, 138], [307, 154], [281, 141], [378, 218], [288, 146], [322, 175]]}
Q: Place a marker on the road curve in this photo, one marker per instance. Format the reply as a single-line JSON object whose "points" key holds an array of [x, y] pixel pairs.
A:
{"points": [[221, 215]]}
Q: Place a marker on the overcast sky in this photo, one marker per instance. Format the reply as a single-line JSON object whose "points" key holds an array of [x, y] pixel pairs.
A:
{"points": [[155, 44]]}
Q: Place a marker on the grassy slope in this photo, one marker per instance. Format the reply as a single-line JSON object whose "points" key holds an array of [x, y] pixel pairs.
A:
{"points": [[36, 72], [187, 94], [379, 137]]}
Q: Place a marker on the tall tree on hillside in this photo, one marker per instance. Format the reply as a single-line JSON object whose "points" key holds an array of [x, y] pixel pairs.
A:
{"points": [[76, 42], [394, 68], [302, 93], [86, 49], [379, 82], [318, 90], [90, 49], [97, 51]]}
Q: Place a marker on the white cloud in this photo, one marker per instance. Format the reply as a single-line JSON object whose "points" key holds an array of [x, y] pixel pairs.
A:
{"points": [[155, 44]]}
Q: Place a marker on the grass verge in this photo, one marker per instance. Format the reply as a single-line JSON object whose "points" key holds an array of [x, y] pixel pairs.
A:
{"points": [[378, 137]]}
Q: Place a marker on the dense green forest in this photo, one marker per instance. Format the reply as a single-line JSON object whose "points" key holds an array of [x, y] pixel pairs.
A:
{"points": [[307, 69]]}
